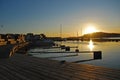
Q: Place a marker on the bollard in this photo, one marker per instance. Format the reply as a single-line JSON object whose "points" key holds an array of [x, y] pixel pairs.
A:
{"points": [[97, 55], [77, 50], [62, 46], [63, 61], [67, 48]]}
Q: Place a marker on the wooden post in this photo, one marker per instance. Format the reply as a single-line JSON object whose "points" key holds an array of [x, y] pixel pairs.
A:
{"points": [[77, 50], [67, 48], [62, 46], [97, 55]]}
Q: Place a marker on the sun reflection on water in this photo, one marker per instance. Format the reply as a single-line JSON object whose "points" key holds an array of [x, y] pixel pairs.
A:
{"points": [[91, 45]]}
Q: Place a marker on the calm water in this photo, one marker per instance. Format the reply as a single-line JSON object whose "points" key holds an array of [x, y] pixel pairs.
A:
{"points": [[110, 53]]}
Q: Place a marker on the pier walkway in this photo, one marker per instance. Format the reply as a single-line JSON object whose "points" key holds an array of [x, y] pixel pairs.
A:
{"points": [[22, 67]]}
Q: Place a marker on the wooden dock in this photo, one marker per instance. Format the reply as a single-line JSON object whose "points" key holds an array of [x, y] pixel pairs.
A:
{"points": [[22, 67], [96, 54], [46, 52]]}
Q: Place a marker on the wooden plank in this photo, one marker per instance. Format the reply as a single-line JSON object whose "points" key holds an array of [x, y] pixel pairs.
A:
{"points": [[23, 67]]}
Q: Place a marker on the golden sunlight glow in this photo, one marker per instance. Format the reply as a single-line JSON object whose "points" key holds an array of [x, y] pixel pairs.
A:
{"points": [[90, 29], [91, 45]]}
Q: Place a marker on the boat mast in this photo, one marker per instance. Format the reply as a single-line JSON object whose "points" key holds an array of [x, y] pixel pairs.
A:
{"points": [[61, 33], [61, 30]]}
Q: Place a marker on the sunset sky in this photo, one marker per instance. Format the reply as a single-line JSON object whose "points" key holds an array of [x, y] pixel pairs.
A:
{"points": [[46, 16]]}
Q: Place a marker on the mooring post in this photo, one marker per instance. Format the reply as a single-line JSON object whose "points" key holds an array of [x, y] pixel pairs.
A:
{"points": [[77, 50], [97, 55], [62, 46], [67, 48]]}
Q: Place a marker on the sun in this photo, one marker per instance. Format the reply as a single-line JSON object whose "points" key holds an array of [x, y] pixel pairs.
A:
{"points": [[90, 29]]}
